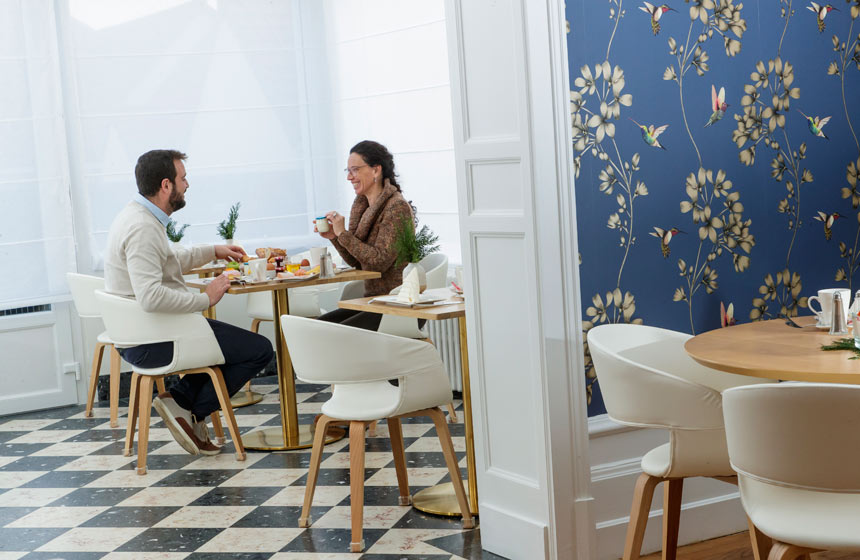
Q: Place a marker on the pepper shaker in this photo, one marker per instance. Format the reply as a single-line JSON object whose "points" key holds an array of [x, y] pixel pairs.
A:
{"points": [[837, 321]]}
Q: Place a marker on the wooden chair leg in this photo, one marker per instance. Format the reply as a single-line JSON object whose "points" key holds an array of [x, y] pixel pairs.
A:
{"points": [[642, 496], [761, 543], [115, 363], [159, 384], [452, 414], [144, 397], [320, 428], [395, 433], [783, 551], [451, 460], [134, 395], [94, 380], [356, 484], [672, 492], [371, 428], [227, 409], [255, 325], [219, 430]]}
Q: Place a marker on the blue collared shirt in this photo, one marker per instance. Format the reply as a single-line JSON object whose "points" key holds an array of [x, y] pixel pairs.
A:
{"points": [[156, 211]]}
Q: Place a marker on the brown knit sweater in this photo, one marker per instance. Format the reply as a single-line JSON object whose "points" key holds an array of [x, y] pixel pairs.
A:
{"points": [[368, 244]]}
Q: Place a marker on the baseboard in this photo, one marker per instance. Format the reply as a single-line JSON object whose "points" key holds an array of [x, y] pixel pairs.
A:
{"points": [[700, 520], [512, 536]]}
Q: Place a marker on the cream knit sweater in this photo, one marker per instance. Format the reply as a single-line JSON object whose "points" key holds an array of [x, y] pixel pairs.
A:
{"points": [[140, 263]]}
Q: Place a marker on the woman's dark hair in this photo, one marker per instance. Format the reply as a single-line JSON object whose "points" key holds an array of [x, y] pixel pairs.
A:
{"points": [[374, 153], [152, 167]]}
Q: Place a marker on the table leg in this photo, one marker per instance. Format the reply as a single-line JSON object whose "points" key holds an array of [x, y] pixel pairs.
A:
{"points": [[290, 435], [440, 499]]}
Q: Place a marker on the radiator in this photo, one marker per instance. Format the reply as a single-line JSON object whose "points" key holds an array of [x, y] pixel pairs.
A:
{"points": [[445, 335]]}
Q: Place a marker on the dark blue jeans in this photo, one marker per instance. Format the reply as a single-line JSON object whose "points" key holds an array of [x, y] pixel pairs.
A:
{"points": [[245, 354]]}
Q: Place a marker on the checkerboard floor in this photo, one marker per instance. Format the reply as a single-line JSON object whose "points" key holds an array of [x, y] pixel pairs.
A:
{"points": [[67, 492]]}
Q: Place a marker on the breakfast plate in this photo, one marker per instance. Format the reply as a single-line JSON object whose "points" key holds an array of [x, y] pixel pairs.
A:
{"points": [[295, 278]]}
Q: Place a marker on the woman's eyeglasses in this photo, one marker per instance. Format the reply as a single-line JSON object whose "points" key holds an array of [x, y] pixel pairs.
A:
{"points": [[353, 170]]}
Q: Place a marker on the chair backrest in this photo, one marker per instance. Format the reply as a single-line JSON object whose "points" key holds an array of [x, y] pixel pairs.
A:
{"points": [[194, 343], [83, 288], [647, 379], [323, 352], [352, 290], [803, 435], [435, 268]]}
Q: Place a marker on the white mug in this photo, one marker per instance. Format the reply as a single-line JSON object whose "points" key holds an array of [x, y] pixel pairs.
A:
{"points": [[322, 224], [825, 301], [316, 253], [258, 269]]}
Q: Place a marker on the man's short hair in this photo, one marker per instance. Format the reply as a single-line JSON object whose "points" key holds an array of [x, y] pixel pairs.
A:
{"points": [[154, 166]]}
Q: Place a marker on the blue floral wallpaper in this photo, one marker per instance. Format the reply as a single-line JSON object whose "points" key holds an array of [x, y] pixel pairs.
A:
{"points": [[716, 152]]}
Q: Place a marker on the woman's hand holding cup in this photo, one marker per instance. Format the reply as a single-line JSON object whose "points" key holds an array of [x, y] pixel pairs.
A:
{"points": [[337, 222], [322, 227]]}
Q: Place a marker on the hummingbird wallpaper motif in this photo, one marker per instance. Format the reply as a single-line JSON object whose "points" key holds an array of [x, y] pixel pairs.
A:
{"points": [[716, 156]]}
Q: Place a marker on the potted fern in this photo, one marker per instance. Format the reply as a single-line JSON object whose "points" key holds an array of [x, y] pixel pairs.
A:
{"points": [[227, 228], [174, 232], [411, 246]]}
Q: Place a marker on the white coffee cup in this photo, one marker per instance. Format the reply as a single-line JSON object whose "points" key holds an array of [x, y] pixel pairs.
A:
{"points": [[316, 253], [322, 224], [825, 301], [258, 269]]}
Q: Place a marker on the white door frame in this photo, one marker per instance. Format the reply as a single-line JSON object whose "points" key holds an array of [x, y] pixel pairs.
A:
{"points": [[509, 89]]}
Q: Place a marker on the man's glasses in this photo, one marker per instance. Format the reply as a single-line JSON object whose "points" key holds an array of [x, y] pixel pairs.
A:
{"points": [[353, 170]]}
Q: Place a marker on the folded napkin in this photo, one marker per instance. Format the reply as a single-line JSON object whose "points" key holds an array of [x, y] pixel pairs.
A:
{"points": [[410, 289]]}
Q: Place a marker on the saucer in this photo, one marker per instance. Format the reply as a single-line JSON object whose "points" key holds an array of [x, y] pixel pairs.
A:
{"points": [[820, 326]]}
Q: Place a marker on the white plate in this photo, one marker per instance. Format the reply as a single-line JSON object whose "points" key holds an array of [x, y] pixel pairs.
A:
{"points": [[423, 299], [298, 278]]}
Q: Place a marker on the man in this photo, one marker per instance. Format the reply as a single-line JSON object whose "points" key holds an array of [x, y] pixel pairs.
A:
{"points": [[140, 263]]}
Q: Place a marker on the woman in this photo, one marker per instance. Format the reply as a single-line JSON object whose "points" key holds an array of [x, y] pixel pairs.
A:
{"points": [[377, 211]]}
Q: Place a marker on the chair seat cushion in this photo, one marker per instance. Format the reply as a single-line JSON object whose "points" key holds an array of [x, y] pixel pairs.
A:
{"points": [[362, 401], [703, 460], [810, 518], [104, 338]]}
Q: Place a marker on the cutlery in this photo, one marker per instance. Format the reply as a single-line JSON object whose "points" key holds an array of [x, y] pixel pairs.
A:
{"points": [[789, 321]]}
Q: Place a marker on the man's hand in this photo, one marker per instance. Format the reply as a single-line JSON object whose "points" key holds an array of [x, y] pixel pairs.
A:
{"points": [[337, 222], [217, 288], [229, 252]]}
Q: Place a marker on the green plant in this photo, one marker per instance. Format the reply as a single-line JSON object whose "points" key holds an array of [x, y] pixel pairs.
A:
{"points": [[227, 228], [412, 246], [174, 234]]}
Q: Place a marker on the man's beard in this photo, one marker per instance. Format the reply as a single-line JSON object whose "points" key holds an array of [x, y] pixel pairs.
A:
{"points": [[176, 200]]}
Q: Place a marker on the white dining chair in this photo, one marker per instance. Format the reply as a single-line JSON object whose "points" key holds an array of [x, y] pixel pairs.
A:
{"points": [[359, 372], [195, 351], [648, 380], [83, 288], [796, 449], [436, 272]]}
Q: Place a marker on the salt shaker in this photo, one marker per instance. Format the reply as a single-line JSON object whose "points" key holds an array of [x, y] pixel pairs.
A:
{"points": [[837, 320], [326, 266]]}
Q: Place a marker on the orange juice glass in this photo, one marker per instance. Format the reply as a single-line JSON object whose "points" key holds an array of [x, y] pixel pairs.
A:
{"points": [[292, 267]]}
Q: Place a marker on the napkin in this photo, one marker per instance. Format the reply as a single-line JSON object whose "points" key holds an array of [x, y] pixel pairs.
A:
{"points": [[410, 289]]}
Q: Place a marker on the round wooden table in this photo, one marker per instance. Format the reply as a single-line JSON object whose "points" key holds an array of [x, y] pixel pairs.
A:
{"points": [[775, 350]]}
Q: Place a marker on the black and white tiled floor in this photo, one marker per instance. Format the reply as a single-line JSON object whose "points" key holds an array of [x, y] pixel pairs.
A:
{"points": [[67, 492]]}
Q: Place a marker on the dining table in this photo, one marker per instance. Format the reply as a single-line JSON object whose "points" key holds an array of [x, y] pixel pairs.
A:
{"points": [[290, 434], [774, 349], [439, 499]]}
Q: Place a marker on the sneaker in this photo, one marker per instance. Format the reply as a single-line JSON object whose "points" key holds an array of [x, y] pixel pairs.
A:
{"points": [[201, 435], [178, 421]]}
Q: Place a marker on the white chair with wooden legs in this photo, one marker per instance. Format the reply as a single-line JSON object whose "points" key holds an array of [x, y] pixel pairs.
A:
{"points": [[195, 351], [83, 289], [796, 449], [648, 380], [359, 372]]}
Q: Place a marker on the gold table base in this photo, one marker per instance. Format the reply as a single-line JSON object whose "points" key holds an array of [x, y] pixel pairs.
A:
{"points": [[440, 500], [272, 439], [245, 398]]}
